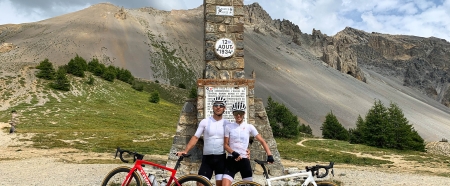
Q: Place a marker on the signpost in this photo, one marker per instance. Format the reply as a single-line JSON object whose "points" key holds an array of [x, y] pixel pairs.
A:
{"points": [[225, 10], [231, 94], [224, 47]]}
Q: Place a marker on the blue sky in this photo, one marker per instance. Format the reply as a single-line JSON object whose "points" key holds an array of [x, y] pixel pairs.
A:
{"points": [[409, 17]]}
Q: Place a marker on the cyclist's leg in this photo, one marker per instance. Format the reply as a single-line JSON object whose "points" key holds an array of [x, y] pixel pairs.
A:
{"points": [[246, 170], [219, 167], [230, 171], [205, 167]]}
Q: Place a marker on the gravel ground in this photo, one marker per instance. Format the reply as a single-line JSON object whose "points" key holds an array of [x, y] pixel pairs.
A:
{"points": [[50, 171], [26, 166]]}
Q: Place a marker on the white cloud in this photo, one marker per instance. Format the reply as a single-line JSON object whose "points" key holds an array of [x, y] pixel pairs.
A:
{"points": [[10, 15], [410, 17]]}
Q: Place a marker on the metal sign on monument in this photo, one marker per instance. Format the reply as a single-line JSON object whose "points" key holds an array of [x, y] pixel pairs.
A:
{"points": [[224, 10], [231, 95], [224, 47]]}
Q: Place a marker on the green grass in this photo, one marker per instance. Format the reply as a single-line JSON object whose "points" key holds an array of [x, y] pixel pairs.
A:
{"points": [[103, 116], [322, 150], [99, 118], [342, 152]]}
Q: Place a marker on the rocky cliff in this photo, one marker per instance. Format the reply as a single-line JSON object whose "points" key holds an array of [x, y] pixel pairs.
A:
{"points": [[293, 67], [419, 63]]}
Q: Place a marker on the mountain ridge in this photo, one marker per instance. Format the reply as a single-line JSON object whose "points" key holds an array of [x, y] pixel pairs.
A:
{"points": [[290, 65]]}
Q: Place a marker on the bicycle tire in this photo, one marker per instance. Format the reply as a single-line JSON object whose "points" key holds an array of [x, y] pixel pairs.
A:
{"points": [[246, 183], [191, 180], [325, 183], [118, 175]]}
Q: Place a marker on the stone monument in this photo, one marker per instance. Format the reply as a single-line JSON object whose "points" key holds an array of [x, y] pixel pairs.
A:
{"points": [[223, 75]]}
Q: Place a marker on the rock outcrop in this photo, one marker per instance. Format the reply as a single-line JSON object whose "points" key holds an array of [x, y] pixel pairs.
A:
{"points": [[121, 14], [335, 51], [420, 63], [6, 47]]}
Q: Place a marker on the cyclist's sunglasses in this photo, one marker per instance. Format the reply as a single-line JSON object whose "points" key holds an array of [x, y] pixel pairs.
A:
{"points": [[240, 113], [221, 105]]}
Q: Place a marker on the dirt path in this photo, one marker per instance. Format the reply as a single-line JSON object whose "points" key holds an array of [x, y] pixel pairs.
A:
{"points": [[399, 164], [60, 167]]}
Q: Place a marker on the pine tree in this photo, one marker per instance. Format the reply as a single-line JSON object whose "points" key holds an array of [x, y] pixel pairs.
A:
{"points": [[404, 135], [306, 129], [46, 70], [109, 74], [356, 134], [377, 128], [77, 66], [61, 82], [332, 129], [283, 122], [96, 67]]}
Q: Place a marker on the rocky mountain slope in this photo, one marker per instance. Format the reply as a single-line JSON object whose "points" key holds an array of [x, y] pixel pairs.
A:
{"points": [[312, 74]]}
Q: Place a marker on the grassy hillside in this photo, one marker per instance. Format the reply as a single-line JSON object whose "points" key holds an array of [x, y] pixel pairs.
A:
{"points": [[100, 117]]}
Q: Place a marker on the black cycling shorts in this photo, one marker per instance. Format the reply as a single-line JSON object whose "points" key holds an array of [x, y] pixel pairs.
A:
{"points": [[242, 166], [212, 163]]}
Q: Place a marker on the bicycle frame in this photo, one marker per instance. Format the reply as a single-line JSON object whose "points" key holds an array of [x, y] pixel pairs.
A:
{"points": [[308, 180], [139, 168], [139, 163], [308, 174]]}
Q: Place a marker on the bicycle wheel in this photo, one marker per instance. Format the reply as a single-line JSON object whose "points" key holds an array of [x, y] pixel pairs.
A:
{"points": [[325, 183], [192, 180], [246, 183], [118, 175]]}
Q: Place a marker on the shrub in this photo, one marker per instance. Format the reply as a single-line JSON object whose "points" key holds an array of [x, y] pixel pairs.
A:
{"points": [[137, 86], [90, 80], [181, 85], [154, 97], [46, 70], [193, 92]]}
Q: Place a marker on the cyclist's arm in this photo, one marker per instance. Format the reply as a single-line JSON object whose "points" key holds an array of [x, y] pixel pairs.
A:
{"points": [[191, 144], [194, 139], [264, 144], [226, 145]]}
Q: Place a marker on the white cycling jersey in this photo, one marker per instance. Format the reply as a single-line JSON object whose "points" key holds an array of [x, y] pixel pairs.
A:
{"points": [[238, 136], [213, 132]]}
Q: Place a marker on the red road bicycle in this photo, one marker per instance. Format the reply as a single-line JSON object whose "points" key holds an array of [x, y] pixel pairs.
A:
{"points": [[132, 176]]}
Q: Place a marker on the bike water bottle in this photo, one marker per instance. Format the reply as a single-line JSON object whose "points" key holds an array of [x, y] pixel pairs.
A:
{"points": [[164, 182], [152, 179]]}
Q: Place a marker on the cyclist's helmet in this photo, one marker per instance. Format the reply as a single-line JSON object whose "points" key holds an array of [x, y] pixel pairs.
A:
{"points": [[239, 106], [219, 99]]}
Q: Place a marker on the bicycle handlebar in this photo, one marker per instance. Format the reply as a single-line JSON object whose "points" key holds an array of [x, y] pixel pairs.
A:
{"points": [[314, 169], [137, 156]]}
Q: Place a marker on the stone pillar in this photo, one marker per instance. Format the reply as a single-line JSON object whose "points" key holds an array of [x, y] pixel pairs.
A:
{"points": [[220, 24], [223, 75]]}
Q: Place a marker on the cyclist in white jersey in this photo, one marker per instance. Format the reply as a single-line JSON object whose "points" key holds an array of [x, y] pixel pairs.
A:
{"points": [[213, 129], [236, 143]]}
